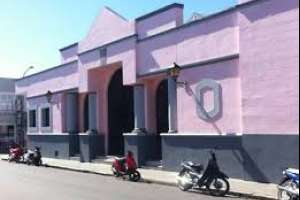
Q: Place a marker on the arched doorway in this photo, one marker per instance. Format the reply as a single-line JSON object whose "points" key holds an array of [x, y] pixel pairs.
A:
{"points": [[162, 117], [120, 113]]}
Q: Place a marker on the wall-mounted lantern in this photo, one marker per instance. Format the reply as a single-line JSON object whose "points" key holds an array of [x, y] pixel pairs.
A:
{"points": [[174, 72], [49, 96]]}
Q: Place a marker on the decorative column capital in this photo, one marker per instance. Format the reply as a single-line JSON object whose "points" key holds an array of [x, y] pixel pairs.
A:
{"points": [[140, 131]]}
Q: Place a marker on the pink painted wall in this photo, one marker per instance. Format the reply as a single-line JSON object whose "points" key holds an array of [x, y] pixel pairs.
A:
{"points": [[209, 39], [123, 52], [108, 27], [69, 54], [99, 80], [229, 120], [57, 107], [260, 89], [62, 78], [151, 84], [157, 53], [269, 64], [161, 22]]}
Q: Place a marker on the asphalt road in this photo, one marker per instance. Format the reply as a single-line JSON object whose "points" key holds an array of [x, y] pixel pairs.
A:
{"points": [[21, 182]]}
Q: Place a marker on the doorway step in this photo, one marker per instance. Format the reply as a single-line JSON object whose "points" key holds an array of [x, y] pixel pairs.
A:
{"points": [[153, 164], [75, 157]]}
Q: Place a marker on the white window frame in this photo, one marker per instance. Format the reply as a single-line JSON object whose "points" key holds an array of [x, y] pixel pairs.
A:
{"points": [[48, 129], [36, 128]]}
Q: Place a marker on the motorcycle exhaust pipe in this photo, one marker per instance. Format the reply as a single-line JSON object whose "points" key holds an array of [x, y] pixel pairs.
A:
{"points": [[296, 193]]}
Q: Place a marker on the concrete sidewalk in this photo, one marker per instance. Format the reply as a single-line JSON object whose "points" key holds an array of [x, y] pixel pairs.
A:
{"points": [[238, 187]]}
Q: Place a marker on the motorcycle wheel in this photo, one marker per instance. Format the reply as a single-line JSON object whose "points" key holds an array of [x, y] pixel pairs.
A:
{"points": [[10, 158], [219, 187], [115, 171], [284, 195], [184, 181], [19, 160], [135, 176]]}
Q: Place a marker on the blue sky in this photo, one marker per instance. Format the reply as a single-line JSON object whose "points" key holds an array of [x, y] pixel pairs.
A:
{"points": [[32, 31]]}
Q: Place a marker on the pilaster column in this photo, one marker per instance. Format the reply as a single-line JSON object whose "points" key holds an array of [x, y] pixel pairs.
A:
{"points": [[139, 109], [172, 96], [72, 112], [92, 101]]}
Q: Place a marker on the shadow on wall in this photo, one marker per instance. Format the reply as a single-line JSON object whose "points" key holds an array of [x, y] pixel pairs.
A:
{"points": [[175, 38], [268, 8], [209, 119], [233, 158], [216, 71], [118, 48], [251, 168]]}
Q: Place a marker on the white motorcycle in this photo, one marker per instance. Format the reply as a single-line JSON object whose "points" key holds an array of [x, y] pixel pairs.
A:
{"points": [[288, 189], [212, 178], [33, 157]]}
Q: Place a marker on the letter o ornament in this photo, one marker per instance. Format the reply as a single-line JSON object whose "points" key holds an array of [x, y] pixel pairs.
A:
{"points": [[217, 93]]}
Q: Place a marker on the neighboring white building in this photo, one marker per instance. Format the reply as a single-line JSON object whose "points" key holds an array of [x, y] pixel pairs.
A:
{"points": [[7, 112]]}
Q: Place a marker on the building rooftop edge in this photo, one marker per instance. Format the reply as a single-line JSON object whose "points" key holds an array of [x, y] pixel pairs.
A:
{"points": [[46, 70], [69, 46], [232, 8], [137, 19], [7, 78], [174, 5], [168, 7], [205, 18], [107, 44], [116, 13]]}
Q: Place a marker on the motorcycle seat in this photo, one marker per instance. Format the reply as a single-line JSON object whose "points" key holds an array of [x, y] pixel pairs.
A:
{"points": [[196, 167], [293, 171]]}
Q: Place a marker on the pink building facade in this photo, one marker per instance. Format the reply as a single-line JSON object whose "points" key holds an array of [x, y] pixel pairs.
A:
{"points": [[237, 90]]}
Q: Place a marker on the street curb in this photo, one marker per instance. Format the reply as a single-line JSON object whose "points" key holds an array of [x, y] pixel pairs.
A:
{"points": [[151, 181]]}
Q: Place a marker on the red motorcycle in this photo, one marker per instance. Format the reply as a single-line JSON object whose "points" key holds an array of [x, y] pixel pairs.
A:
{"points": [[126, 167], [16, 153]]}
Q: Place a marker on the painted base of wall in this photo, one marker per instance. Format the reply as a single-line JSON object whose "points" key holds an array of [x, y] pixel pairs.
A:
{"points": [[250, 157], [254, 157], [53, 146], [5, 142], [4, 147], [91, 146], [267, 155], [62, 146], [142, 146]]}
